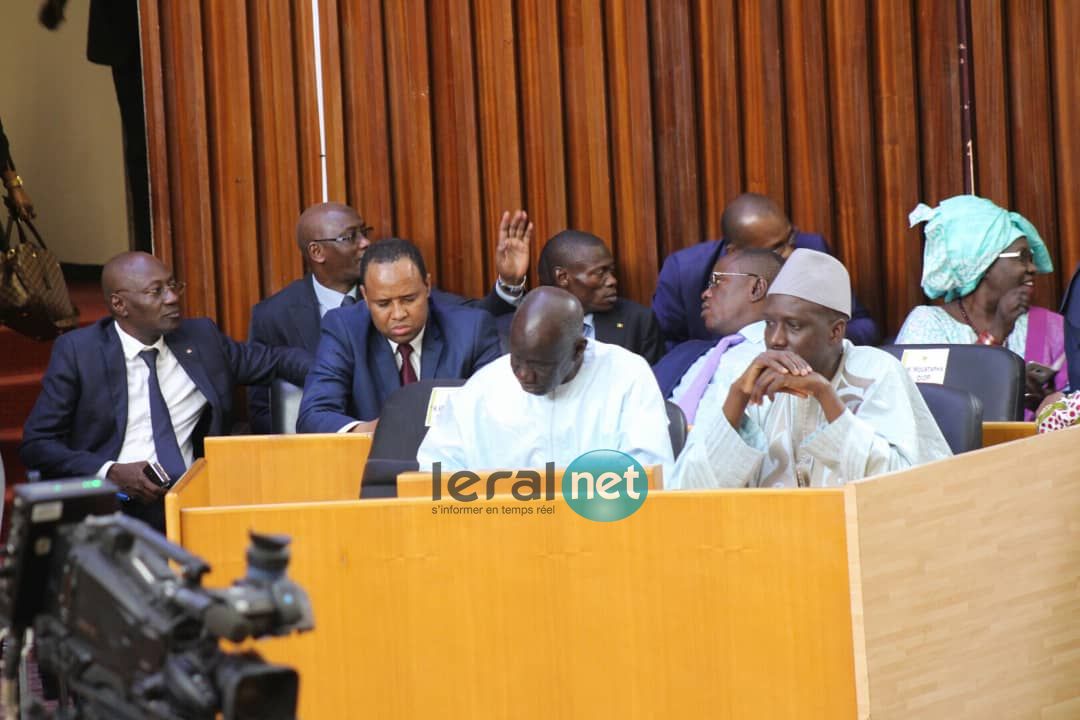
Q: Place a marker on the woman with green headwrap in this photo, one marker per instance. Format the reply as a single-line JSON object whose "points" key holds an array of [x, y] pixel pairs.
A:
{"points": [[982, 259]]}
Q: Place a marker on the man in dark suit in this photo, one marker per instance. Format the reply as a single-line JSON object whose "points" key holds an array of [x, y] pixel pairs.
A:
{"points": [[143, 385], [581, 264], [749, 220], [332, 238], [397, 336]]}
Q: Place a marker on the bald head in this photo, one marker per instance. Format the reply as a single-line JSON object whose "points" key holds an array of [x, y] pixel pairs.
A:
{"points": [[142, 295], [332, 239], [755, 221], [547, 344]]}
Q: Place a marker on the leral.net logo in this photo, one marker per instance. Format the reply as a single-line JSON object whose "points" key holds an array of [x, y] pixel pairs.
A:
{"points": [[605, 485]]}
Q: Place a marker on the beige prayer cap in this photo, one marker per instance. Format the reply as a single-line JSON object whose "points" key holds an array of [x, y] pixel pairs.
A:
{"points": [[817, 277]]}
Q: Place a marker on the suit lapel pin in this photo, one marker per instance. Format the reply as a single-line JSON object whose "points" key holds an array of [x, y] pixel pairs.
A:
{"points": [[188, 351], [618, 325]]}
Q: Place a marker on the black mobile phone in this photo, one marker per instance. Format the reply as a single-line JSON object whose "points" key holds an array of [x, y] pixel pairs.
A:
{"points": [[1042, 373], [157, 475]]}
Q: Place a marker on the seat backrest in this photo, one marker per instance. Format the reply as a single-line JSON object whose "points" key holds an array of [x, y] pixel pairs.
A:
{"points": [[284, 407], [398, 435], [676, 427], [958, 413], [995, 375]]}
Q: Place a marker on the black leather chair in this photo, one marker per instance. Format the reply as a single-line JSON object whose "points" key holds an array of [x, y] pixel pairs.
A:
{"points": [[398, 435], [993, 374], [958, 413], [676, 427], [284, 407]]}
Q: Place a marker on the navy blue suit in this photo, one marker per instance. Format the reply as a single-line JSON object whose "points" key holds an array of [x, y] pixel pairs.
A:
{"points": [[685, 275], [673, 366], [80, 417], [354, 370], [290, 318]]}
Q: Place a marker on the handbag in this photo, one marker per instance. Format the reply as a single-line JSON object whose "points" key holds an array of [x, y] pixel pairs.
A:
{"points": [[34, 297]]}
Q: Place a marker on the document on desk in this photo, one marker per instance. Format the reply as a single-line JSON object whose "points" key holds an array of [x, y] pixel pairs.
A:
{"points": [[439, 397]]}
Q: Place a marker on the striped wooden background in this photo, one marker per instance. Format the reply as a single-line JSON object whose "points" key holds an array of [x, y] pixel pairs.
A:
{"points": [[634, 119]]}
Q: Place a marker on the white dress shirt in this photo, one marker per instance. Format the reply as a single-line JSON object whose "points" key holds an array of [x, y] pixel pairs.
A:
{"points": [[589, 329], [184, 400]]}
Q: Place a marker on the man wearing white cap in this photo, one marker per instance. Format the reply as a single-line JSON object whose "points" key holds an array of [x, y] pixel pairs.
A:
{"points": [[839, 412]]}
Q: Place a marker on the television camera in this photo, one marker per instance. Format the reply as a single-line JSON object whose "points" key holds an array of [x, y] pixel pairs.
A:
{"points": [[121, 624]]}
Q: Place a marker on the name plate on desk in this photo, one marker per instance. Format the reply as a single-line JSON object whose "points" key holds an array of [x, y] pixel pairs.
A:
{"points": [[926, 365], [439, 398]]}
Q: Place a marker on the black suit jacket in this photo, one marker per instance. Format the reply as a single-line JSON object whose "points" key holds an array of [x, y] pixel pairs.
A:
{"points": [[80, 417], [290, 318]]}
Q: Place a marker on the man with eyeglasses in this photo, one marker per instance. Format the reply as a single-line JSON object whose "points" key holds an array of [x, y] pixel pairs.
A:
{"points": [[142, 386], [749, 221], [332, 239], [696, 374]]}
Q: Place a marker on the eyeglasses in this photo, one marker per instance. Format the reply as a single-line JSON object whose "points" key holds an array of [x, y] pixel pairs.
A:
{"points": [[349, 236], [1025, 256], [716, 278], [158, 291]]}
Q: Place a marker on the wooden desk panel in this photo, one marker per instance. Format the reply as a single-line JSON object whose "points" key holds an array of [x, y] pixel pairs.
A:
{"points": [[730, 604]]}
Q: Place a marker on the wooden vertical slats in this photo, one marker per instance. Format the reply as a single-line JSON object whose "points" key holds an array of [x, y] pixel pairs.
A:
{"points": [[500, 122], [856, 241], [674, 125], [231, 182], [276, 174], [632, 135], [409, 91], [457, 171], [1065, 94], [637, 121], [762, 99], [939, 100], [587, 141], [542, 108], [188, 155], [810, 180], [367, 131], [896, 112], [991, 101], [1031, 129]]}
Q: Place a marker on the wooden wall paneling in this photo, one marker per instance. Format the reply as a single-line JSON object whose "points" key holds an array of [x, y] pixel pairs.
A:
{"points": [[762, 99], [409, 90], [365, 105], [1032, 130], [1065, 91], [277, 194], [897, 132], [632, 135], [188, 155], [993, 169], [307, 108], [718, 107], [231, 184], [333, 106], [939, 100], [500, 135], [543, 137], [157, 140], [678, 208], [459, 265], [806, 92], [585, 98], [856, 242]]}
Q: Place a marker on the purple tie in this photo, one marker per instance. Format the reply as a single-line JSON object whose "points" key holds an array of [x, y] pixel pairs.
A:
{"points": [[692, 397]]}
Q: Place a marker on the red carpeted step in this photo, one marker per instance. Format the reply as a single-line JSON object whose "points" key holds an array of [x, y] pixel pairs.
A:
{"points": [[18, 393]]}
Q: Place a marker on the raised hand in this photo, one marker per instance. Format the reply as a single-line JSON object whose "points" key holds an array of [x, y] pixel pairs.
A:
{"points": [[512, 249]]}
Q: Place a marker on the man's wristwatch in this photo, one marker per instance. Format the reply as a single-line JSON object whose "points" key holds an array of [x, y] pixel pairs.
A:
{"points": [[13, 183], [512, 290]]}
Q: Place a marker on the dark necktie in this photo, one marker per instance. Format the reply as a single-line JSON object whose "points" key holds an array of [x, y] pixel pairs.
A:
{"points": [[347, 301], [408, 375], [165, 445]]}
